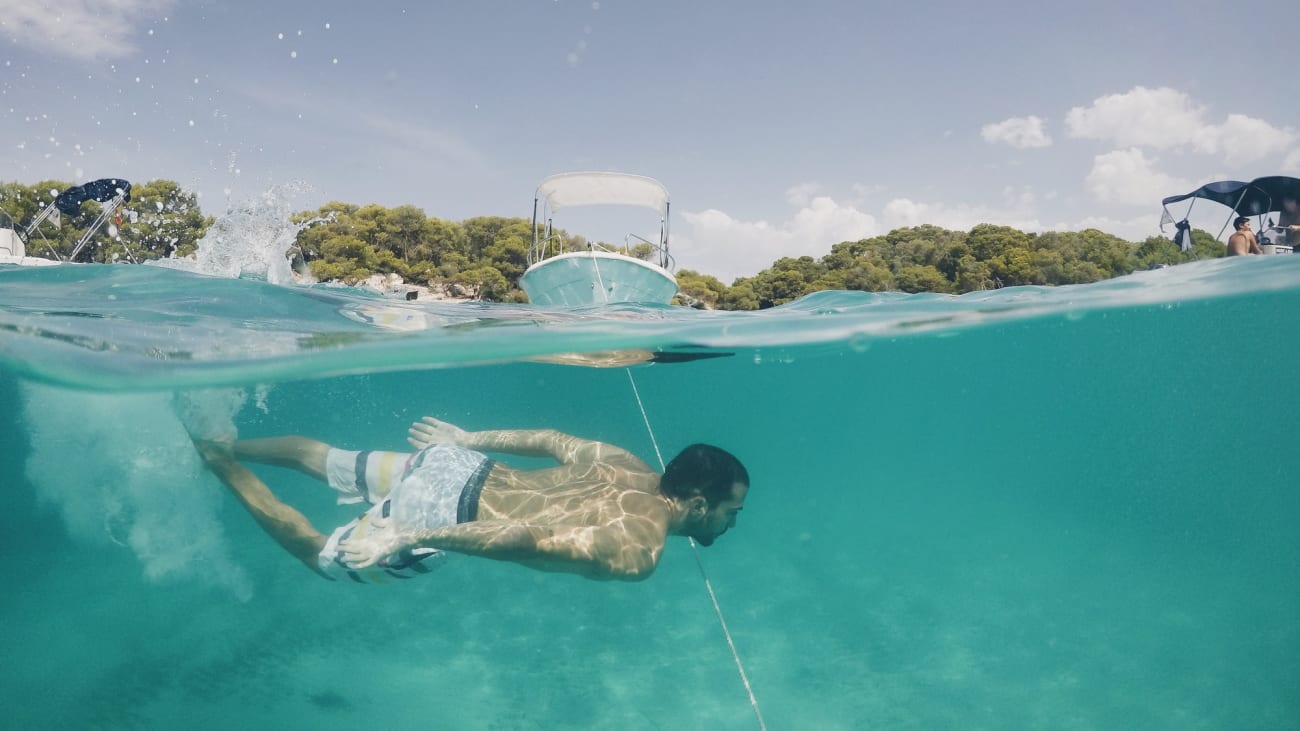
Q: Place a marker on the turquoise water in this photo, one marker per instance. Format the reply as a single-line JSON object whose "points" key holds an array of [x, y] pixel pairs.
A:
{"points": [[1067, 508]]}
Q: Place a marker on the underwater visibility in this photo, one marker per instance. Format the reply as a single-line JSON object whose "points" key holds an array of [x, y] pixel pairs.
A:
{"points": [[1066, 508]]}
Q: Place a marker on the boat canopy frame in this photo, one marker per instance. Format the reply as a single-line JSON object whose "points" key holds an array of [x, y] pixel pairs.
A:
{"points": [[1259, 197], [569, 190], [110, 193]]}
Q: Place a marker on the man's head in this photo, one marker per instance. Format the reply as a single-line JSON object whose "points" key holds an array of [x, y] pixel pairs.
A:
{"points": [[711, 485], [1241, 222]]}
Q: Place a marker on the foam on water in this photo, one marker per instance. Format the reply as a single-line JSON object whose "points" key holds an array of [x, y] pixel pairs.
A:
{"points": [[133, 486]]}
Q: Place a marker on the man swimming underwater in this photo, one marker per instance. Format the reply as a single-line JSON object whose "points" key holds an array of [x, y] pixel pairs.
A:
{"points": [[600, 513]]}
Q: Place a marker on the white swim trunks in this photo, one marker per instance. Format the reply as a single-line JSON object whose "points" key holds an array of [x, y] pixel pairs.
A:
{"points": [[434, 487]]}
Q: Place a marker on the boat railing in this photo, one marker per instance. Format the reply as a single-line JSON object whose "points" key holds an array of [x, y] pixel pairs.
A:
{"points": [[555, 244], [659, 250], [545, 248]]}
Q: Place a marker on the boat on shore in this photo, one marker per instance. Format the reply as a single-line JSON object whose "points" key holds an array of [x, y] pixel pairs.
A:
{"points": [[560, 273]]}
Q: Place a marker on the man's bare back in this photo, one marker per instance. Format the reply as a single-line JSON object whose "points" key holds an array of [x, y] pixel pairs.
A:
{"points": [[600, 512]]}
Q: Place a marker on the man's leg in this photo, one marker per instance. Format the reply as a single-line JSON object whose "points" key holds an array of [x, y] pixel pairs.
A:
{"points": [[299, 453], [287, 526]]}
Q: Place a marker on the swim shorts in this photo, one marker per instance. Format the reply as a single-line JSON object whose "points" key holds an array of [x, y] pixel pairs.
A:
{"points": [[435, 487]]}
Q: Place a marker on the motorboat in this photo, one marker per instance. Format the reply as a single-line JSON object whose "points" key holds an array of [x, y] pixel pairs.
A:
{"points": [[111, 193], [591, 273], [1263, 198], [13, 248]]}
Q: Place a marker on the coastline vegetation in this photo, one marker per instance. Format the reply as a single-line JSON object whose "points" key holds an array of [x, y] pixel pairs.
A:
{"points": [[483, 257]]}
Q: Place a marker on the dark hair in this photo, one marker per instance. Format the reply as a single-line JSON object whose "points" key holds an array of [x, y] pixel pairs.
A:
{"points": [[1236, 222], [705, 470]]}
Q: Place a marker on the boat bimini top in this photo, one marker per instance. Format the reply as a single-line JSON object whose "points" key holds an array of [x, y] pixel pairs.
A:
{"points": [[1259, 197], [569, 190]]}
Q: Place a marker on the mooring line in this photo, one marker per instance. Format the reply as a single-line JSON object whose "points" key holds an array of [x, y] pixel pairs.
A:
{"points": [[708, 585]]}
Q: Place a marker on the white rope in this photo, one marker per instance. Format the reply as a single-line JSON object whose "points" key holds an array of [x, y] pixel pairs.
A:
{"points": [[600, 282], [708, 585]]}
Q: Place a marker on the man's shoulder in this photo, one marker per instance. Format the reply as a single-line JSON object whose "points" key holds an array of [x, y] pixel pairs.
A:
{"points": [[621, 459], [647, 506]]}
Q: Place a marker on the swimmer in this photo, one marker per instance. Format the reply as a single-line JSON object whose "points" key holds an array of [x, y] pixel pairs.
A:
{"points": [[600, 513]]}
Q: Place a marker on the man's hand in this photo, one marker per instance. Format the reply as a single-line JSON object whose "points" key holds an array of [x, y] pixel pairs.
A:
{"points": [[358, 553], [429, 431]]}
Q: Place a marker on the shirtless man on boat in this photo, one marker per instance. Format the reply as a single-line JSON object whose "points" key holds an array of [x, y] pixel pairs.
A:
{"points": [[1243, 241], [600, 513]]}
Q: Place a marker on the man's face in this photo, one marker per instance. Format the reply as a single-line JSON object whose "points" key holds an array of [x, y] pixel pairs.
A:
{"points": [[721, 516]]}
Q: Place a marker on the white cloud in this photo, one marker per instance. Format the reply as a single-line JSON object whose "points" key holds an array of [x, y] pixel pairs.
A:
{"points": [[1134, 229], [1020, 132], [1017, 211], [715, 243], [1129, 177], [1292, 162], [801, 194], [82, 29], [1166, 118], [1159, 118], [1245, 139]]}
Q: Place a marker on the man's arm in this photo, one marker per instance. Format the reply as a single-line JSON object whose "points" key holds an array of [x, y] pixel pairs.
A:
{"points": [[593, 552], [564, 448]]}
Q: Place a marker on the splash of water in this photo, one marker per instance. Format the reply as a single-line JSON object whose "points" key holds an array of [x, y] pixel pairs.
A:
{"points": [[252, 239], [146, 489], [139, 488]]}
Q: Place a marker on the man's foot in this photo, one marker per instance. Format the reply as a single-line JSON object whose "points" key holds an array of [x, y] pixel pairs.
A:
{"points": [[209, 413]]}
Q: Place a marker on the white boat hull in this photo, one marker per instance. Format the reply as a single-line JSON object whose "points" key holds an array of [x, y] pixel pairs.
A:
{"points": [[14, 252], [583, 278], [27, 261]]}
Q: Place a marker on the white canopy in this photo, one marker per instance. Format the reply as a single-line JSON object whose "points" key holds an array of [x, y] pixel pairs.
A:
{"points": [[589, 189]]}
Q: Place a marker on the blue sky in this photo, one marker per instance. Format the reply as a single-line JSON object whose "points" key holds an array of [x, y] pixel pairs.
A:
{"points": [[779, 128]]}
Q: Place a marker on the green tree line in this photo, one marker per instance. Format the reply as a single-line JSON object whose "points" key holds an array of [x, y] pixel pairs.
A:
{"points": [[933, 259], [485, 256]]}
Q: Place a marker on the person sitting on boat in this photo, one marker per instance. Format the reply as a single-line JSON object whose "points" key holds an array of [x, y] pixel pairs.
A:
{"points": [[1289, 222], [1243, 241], [600, 513]]}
